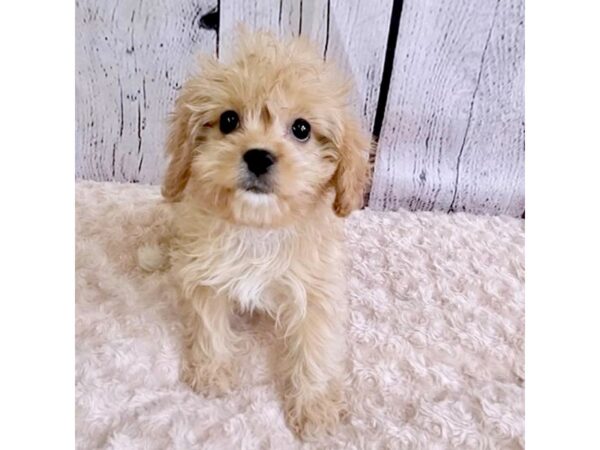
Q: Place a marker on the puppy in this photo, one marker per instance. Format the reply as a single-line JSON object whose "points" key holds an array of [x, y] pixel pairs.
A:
{"points": [[265, 158]]}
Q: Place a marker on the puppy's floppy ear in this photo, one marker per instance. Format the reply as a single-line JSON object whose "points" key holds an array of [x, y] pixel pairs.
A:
{"points": [[352, 174], [179, 149]]}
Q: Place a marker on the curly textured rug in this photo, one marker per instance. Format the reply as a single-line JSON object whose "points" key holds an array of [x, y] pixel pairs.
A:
{"points": [[435, 337]]}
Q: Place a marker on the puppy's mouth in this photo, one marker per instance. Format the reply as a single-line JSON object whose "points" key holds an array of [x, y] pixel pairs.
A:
{"points": [[258, 190], [257, 185]]}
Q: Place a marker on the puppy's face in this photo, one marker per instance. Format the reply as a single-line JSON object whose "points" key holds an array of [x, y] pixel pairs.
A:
{"points": [[260, 141]]}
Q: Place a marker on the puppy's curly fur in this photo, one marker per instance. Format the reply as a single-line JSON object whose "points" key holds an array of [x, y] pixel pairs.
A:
{"points": [[278, 250]]}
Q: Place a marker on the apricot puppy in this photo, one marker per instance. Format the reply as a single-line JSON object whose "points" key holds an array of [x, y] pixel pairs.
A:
{"points": [[265, 157]]}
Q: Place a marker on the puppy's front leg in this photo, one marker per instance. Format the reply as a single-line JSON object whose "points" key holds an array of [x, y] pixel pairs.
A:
{"points": [[313, 364], [210, 342]]}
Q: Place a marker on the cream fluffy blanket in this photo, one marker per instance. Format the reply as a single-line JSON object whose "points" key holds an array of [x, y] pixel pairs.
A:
{"points": [[435, 337]]}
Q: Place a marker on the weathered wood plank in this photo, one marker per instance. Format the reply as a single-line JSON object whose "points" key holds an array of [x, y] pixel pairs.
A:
{"points": [[437, 110], [490, 175], [357, 41], [131, 59]]}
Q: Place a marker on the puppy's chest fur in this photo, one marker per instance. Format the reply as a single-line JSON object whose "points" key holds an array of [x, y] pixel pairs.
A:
{"points": [[257, 268]]}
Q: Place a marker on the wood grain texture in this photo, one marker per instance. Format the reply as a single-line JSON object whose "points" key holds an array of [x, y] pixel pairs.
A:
{"points": [[131, 59], [357, 43], [353, 34], [452, 132], [490, 169]]}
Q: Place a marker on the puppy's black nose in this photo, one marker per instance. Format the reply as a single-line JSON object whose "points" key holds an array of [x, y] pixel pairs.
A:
{"points": [[259, 160]]}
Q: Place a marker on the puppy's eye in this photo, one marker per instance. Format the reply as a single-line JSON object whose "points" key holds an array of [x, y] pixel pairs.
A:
{"points": [[228, 122], [301, 130]]}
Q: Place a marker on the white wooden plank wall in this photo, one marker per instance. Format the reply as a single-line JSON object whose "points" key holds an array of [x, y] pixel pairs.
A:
{"points": [[452, 132], [131, 58], [491, 175], [452, 135]]}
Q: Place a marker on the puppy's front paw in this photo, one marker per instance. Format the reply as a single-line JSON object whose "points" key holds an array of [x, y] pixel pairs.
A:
{"points": [[212, 378], [312, 415]]}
